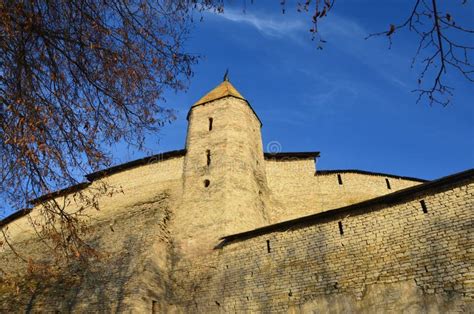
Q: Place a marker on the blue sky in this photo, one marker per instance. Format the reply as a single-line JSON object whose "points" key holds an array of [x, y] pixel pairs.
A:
{"points": [[352, 100]]}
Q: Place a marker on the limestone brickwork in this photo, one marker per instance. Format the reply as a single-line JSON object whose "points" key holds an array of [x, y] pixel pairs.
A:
{"points": [[132, 186], [221, 226], [224, 173], [302, 189], [131, 273], [391, 257]]}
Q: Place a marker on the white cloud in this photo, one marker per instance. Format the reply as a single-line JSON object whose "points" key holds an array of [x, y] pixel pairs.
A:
{"points": [[341, 32], [335, 25], [274, 26]]}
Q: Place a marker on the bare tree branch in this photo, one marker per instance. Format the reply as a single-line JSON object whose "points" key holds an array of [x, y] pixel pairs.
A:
{"points": [[438, 41]]}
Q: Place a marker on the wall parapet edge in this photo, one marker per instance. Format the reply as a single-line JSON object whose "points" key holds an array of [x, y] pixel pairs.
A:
{"points": [[290, 156], [135, 163], [357, 171]]}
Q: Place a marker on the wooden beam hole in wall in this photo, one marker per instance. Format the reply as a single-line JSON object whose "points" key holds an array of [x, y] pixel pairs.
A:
{"points": [[341, 228], [269, 249], [423, 206], [207, 183], [388, 184], [339, 179]]}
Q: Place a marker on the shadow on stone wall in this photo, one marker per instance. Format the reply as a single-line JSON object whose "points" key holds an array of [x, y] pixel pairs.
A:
{"points": [[99, 286], [128, 274]]}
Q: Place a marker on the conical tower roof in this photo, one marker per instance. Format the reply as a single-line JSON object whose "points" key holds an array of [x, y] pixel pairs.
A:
{"points": [[224, 89]]}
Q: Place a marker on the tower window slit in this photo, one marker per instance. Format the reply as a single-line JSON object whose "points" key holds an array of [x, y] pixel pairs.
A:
{"points": [[341, 229], [210, 124], [423, 206], [339, 179], [208, 156], [268, 246], [388, 184]]}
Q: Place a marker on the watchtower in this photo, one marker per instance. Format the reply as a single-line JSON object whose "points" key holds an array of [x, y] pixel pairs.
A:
{"points": [[224, 170]]}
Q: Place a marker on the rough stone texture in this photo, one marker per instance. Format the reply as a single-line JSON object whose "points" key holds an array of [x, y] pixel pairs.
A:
{"points": [[389, 259], [137, 185], [233, 200], [162, 253], [132, 273], [134, 269], [300, 190]]}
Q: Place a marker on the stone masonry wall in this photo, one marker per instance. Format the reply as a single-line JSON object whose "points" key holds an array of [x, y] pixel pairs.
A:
{"points": [[229, 156], [157, 235], [136, 185], [390, 258], [131, 274], [300, 192], [130, 231]]}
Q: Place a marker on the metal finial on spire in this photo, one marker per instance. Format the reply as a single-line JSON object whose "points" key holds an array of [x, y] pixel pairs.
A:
{"points": [[226, 75]]}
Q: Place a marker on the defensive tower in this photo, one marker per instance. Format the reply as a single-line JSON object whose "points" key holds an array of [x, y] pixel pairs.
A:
{"points": [[224, 170]]}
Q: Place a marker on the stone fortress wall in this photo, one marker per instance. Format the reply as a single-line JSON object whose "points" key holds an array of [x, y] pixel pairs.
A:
{"points": [[293, 183], [391, 256], [132, 228], [301, 189], [294, 238], [131, 272], [407, 252], [130, 231], [132, 186]]}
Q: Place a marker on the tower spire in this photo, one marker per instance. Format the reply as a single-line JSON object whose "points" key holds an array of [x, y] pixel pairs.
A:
{"points": [[226, 75]]}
